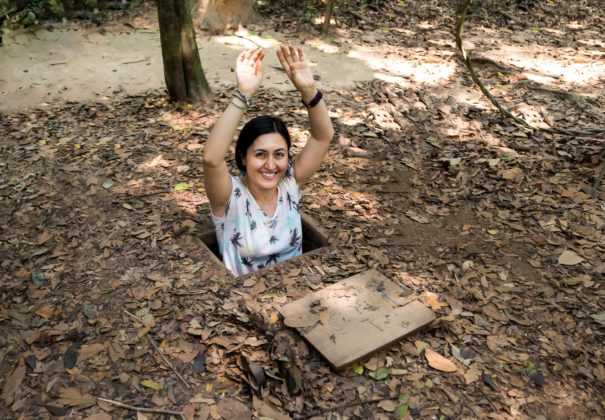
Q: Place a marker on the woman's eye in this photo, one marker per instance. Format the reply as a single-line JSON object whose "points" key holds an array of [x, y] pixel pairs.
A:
{"points": [[260, 154]]}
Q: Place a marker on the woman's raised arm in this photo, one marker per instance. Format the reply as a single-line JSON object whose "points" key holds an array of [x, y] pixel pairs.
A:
{"points": [[308, 160], [249, 73]]}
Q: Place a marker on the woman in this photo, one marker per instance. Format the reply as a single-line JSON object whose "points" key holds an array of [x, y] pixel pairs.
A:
{"points": [[256, 214]]}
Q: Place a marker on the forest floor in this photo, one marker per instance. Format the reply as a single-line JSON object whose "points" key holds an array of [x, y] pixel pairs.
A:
{"points": [[107, 291]]}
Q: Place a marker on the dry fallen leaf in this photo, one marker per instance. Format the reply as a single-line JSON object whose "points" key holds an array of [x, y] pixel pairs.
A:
{"points": [[570, 258], [513, 174], [437, 361], [12, 384], [74, 398], [472, 374], [44, 237], [46, 312], [432, 300], [89, 350], [388, 405]]}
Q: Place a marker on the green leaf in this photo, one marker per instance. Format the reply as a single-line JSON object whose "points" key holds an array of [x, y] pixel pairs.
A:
{"points": [[107, 184], [151, 384], [404, 398], [380, 374], [402, 411], [127, 206], [530, 369], [38, 277], [358, 369], [181, 186], [428, 383]]}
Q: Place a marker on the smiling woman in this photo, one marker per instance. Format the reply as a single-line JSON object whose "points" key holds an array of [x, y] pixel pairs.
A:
{"points": [[256, 214]]}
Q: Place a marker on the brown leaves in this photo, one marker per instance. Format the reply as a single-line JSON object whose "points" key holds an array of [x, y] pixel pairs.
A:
{"points": [[13, 383], [437, 361], [569, 258], [73, 397]]}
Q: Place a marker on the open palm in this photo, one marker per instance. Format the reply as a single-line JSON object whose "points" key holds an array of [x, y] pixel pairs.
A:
{"points": [[297, 68], [249, 70]]}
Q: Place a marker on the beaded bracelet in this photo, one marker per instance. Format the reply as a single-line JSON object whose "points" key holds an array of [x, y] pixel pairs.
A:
{"points": [[236, 105], [239, 95]]}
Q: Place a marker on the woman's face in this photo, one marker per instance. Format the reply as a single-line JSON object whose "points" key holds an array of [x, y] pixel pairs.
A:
{"points": [[266, 161]]}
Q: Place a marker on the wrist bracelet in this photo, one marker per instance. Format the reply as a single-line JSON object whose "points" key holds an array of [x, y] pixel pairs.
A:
{"points": [[315, 100], [239, 95], [236, 105]]}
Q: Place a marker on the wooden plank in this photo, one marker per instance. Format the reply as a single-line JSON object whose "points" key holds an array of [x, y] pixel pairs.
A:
{"points": [[355, 317]]}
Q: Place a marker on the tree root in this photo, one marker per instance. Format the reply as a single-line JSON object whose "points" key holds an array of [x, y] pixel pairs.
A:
{"points": [[506, 113]]}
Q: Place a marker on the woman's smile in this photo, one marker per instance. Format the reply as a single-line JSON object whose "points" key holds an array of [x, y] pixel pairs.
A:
{"points": [[266, 161]]}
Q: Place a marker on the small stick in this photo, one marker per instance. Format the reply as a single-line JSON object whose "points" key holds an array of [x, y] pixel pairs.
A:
{"points": [[143, 409], [249, 40], [134, 316], [136, 61], [157, 349], [192, 293]]}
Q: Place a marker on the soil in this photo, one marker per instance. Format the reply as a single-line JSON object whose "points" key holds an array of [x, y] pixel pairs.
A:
{"points": [[109, 296], [83, 64]]}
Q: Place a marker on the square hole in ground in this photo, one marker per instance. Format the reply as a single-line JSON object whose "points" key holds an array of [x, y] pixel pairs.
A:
{"points": [[313, 237]]}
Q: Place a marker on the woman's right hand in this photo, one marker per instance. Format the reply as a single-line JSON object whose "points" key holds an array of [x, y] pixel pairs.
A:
{"points": [[249, 71]]}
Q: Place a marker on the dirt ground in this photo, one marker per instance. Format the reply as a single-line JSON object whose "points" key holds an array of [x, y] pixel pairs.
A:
{"points": [[71, 62], [108, 294]]}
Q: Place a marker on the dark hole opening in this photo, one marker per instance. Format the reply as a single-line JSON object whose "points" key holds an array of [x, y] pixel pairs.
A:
{"points": [[313, 237]]}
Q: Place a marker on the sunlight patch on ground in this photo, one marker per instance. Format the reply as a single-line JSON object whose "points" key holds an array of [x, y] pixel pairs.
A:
{"points": [[188, 202], [405, 67], [554, 66], [244, 39]]}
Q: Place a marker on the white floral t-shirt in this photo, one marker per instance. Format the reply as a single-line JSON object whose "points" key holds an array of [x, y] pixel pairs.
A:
{"points": [[248, 239]]}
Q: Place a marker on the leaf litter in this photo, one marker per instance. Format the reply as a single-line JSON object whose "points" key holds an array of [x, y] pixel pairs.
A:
{"points": [[494, 220]]}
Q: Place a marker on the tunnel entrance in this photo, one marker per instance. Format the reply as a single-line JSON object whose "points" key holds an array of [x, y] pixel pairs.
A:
{"points": [[314, 238]]}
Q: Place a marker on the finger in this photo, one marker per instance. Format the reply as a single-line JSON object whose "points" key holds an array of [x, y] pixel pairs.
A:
{"points": [[258, 67], [282, 59], [250, 53], [241, 56], [257, 54], [293, 53], [301, 55], [287, 56]]}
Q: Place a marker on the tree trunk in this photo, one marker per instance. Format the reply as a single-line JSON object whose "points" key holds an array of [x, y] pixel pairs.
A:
{"points": [[183, 71], [329, 9]]}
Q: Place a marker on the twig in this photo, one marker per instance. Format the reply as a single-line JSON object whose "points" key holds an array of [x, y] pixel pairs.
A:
{"points": [[136, 61], [347, 405], [248, 39], [143, 409], [157, 349], [58, 63], [133, 316], [192, 293]]}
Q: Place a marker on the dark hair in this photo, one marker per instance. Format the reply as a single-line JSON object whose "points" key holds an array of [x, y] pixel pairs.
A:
{"points": [[254, 128]]}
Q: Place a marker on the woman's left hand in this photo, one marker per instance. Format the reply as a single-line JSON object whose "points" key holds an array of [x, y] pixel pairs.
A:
{"points": [[298, 70]]}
